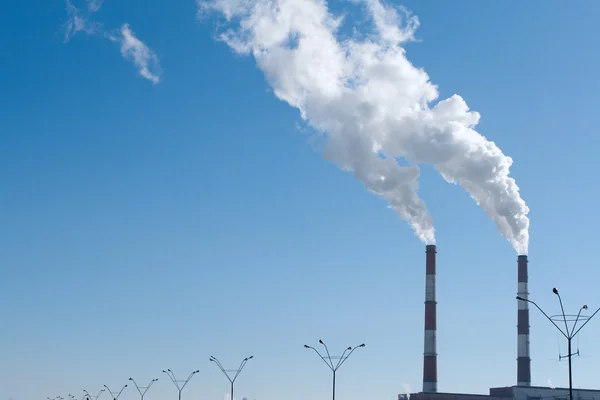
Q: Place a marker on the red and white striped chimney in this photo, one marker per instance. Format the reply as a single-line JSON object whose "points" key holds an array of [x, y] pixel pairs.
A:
{"points": [[430, 355], [523, 359]]}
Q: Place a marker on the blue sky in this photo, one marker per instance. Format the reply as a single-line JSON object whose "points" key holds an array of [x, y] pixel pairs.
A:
{"points": [[150, 226]]}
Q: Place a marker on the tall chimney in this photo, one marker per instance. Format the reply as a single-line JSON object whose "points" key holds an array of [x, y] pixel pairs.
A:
{"points": [[430, 355], [523, 359]]}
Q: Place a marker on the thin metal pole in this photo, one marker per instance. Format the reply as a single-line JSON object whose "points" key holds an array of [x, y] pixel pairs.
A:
{"points": [[569, 334], [328, 360], [146, 388], [237, 372], [333, 384], [570, 374], [176, 382]]}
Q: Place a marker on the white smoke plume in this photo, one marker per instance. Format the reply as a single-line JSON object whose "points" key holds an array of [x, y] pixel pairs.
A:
{"points": [[373, 106], [407, 390]]}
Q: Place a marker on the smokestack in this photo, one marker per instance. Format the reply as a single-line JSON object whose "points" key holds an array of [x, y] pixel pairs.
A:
{"points": [[430, 355], [523, 359]]}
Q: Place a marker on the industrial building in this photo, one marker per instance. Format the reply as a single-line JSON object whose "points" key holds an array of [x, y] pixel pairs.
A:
{"points": [[510, 393], [523, 389]]}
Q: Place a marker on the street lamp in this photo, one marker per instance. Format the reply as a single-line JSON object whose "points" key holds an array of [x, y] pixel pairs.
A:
{"points": [[177, 383], [88, 397], [329, 359], [115, 395], [226, 372], [569, 334], [145, 388]]}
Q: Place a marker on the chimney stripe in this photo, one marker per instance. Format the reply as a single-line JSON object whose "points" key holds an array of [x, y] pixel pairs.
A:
{"points": [[523, 356], [430, 345]]}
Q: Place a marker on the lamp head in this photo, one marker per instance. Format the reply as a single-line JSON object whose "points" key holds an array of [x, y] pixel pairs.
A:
{"points": [[130, 379], [164, 371], [250, 358], [320, 341], [196, 371], [349, 348], [362, 345], [584, 307], [307, 346], [520, 298], [555, 290]]}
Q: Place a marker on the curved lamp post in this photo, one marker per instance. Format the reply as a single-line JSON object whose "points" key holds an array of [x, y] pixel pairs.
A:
{"points": [[144, 388], [115, 395], [329, 359], [226, 372], [569, 334], [177, 383], [87, 396]]}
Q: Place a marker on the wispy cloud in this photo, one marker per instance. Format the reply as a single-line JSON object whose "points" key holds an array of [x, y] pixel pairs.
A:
{"points": [[136, 51], [132, 48], [94, 5], [79, 21]]}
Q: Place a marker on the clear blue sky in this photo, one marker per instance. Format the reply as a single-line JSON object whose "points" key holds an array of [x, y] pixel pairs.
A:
{"points": [[150, 226]]}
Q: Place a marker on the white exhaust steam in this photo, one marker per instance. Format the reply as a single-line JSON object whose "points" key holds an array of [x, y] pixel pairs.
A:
{"points": [[373, 106], [407, 390]]}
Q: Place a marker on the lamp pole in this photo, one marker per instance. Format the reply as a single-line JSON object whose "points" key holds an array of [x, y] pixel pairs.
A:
{"points": [[226, 372], [569, 334], [89, 397], [144, 388], [177, 382], [329, 359], [115, 395]]}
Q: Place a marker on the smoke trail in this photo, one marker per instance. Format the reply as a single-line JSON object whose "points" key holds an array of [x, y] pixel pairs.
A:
{"points": [[373, 106], [407, 390]]}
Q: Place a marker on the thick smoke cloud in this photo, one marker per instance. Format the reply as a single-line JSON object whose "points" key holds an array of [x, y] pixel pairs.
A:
{"points": [[373, 106]]}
